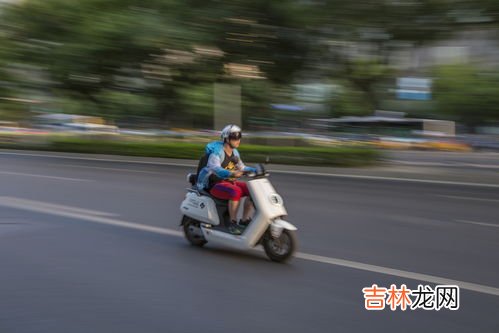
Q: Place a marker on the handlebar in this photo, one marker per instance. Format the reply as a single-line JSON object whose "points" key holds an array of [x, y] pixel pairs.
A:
{"points": [[260, 172]]}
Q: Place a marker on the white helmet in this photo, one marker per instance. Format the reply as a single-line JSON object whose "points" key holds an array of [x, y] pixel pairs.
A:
{"points": [[231, 131]]}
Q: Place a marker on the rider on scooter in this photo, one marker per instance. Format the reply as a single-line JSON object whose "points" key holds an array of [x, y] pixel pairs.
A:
{"points": [[219, 176]]}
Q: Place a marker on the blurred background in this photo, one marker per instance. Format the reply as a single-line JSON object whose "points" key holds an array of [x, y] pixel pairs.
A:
{"points": [[409, 88], [395, 73]]}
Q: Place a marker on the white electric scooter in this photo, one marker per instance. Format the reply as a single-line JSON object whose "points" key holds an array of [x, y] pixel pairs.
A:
{"points": [[205, 219]]}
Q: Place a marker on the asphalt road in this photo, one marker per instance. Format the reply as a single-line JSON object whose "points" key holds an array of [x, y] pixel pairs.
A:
{"points": [[69, 262], [482, 160]]}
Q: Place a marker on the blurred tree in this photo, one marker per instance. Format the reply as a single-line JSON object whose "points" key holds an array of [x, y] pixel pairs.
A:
{"points": [[156, 46], [257, 97], [349, 101], [478, 12], [4, 61], [170, 51], [355, 39], [467, 94], [91, 48], [12, 107], [117, 105], [198, 99], [365, 74]]}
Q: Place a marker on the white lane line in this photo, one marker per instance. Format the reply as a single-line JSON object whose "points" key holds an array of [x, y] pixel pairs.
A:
{"points": [[478, 223], [466, 198], [73, 212], [484, 166], [443, 164], [396, 272], [417, 163], [194, 164], [43, 176], [411, 180], [41, 207], [111, 169], [18, 202]]}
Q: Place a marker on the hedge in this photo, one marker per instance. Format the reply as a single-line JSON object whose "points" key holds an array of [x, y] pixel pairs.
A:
{"points": [[313, 156]]}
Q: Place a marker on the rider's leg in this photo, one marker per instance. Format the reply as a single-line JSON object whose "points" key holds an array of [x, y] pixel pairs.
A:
{"points": [[231, 192], [233, 209], [248, 209]]}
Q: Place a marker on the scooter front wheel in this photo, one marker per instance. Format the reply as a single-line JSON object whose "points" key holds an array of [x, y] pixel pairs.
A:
{"points": [[192, 232], [282, 248]]}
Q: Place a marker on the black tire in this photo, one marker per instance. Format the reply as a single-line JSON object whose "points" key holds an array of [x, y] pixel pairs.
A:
{"points": [[194, 238], [282, 248]]}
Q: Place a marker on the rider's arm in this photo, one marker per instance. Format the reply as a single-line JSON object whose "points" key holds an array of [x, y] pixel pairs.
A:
{"points": [[215, 166], [249, 169], [242, 167]]}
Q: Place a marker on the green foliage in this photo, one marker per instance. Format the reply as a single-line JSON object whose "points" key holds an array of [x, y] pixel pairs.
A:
{"points": [[256, 100], [198, 100], [467, 94], [349, 101], [103, 54], [88, 48], [13, 111], [314, 156], [116, 104], [363, 75], [78, 106]]}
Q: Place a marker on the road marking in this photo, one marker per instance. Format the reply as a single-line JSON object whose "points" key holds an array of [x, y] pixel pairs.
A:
{"points": [[483, 166], [194, 164], [78, 213], [18, 202], [410, 180], [72, 212], [416, 163], [478, 223], [44, 176], [404, 274], [443, 164], [396, 272], [111, 169], [466, 198]]}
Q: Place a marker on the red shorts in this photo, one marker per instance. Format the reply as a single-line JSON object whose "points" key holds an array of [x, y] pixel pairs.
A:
{"points": [[229, 190]]}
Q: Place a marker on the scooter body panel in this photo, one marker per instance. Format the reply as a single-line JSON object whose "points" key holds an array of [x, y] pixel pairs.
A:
{"points": [[223, 238], [201, 208], [267, 202], [248, 239]]}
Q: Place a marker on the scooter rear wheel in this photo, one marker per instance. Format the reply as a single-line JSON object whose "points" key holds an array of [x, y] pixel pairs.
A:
{"points": [[192, 232], [282, 248]]}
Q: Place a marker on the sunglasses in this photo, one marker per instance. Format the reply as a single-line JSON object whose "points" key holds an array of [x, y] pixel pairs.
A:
{"points": [[235, 136]]}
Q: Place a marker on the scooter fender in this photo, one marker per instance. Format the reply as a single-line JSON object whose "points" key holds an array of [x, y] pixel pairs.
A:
{"points": [[278, 225], [284, 224]]}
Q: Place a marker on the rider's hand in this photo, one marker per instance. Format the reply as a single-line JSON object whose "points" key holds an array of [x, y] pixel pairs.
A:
{"points": [[237, 174]]}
